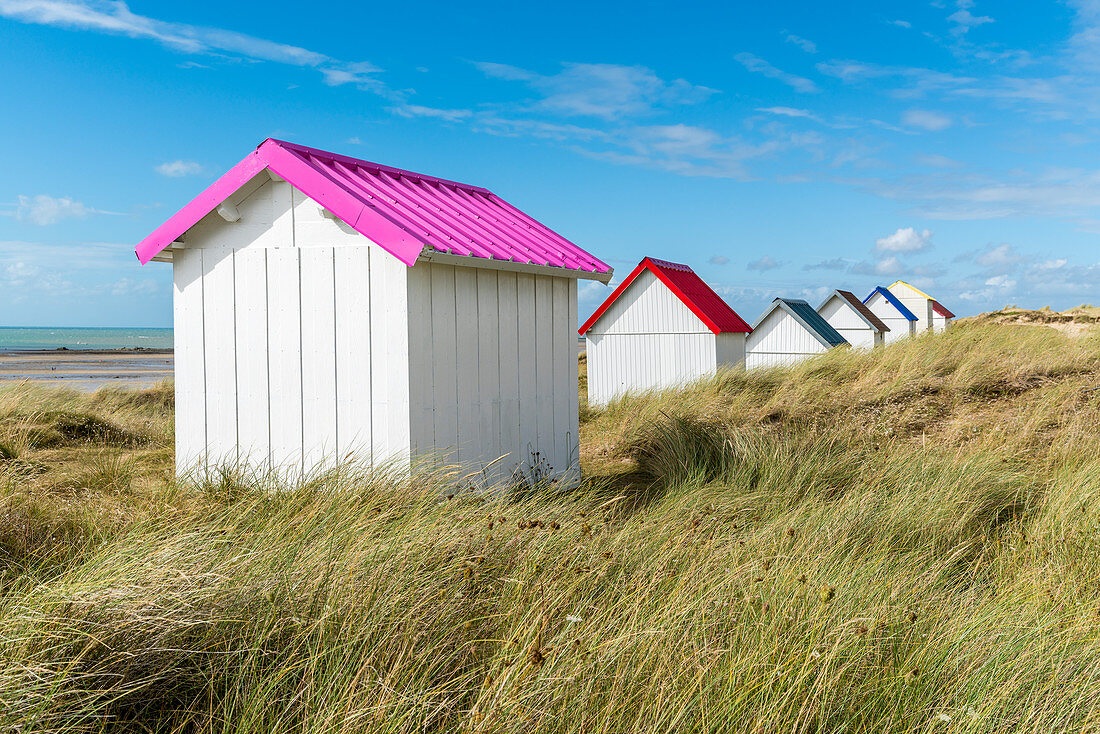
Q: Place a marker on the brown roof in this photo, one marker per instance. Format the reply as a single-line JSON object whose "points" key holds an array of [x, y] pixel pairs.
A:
{"points": [[863, 310]]}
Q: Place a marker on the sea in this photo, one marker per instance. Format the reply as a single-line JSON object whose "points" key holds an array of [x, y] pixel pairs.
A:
{"points": [[20, 338]]}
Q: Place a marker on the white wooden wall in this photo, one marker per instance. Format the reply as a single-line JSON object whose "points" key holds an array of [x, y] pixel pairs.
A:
{"points": [[649, 340], [918, 304], [493, 369], [842, 317], [292, 334], [780, 340], [939, 323], [900, 327]]}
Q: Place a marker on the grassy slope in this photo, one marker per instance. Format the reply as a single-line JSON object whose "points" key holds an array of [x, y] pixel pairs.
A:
{"points": [[903, 541]]}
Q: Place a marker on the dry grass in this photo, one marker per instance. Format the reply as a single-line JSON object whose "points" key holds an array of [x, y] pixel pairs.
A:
{"points": [[902, 541]]}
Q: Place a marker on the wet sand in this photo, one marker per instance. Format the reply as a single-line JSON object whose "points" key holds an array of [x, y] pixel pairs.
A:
{"points": [[87, 370]]}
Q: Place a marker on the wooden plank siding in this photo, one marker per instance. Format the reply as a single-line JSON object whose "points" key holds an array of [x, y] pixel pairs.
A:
{"points": [[780, 340], [504, 380]]}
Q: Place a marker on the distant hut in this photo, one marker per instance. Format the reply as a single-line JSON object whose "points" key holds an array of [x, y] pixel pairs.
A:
{"points": [[662, 327], [892, 312], [328, 308], [854, 321], [789, 332], [931, 314]]}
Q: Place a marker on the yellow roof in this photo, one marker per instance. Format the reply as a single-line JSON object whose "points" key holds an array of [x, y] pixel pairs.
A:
{"points": [[907, 285]]}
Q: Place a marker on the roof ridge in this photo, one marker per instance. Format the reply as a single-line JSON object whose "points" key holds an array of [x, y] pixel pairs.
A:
{"points": [[380, 167]]}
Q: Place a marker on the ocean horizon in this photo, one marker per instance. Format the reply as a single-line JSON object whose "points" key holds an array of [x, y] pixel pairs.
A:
{"points": [[18, 338]]}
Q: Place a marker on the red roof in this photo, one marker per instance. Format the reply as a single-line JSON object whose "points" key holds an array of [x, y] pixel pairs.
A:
{"points": [[689, 288], [403, 212], [942, 310]]}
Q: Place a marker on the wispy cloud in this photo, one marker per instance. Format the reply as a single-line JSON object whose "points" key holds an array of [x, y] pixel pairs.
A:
{"points": [[605, 91], [758, 65], [764, 264], [179, 168], [808, 46], [926, 120], [116, 18], [415, 110], [43, 210], [835, 263], [718, 260]]}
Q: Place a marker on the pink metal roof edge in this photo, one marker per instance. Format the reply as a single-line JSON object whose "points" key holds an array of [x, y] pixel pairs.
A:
{"points": [[468, 221]]}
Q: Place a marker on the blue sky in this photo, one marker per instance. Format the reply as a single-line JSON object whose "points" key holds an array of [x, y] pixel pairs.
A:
{"points": [[779, 149]]}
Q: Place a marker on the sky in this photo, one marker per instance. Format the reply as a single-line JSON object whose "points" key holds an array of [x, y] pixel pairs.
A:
{"points": [[779, 149]]}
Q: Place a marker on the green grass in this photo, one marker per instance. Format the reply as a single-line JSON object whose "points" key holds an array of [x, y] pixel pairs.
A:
{"points": [[902, 541]]}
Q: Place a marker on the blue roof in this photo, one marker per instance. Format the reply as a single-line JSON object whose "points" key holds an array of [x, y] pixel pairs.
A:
{"points": [[805, 314], [893, 302]]}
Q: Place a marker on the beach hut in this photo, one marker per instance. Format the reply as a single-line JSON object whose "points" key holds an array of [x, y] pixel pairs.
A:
{"points": [[328, 309], [789, 332], [893, 313], [931, 314], [663, 326], [854, 321]]}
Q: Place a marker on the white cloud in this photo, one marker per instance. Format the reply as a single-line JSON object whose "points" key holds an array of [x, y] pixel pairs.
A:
{"points": [[836, 263], [964, 20], [934, 160], [1001, 255], [415, 110], [905, 239], [718, 260], [888, 266], [179, 168], [44, 209], [900, 23], [789, 112], [606, 91], [1001, 281], [808, 46], [116, 18], [926, 120], [758, 65], [767, 262]]}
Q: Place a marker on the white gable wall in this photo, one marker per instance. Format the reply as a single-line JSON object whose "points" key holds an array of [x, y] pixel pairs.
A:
{"points": [[846, 320], [900, 327], [648, 339], [493, 360], [917, 303], [939, 323], [780, 340]]}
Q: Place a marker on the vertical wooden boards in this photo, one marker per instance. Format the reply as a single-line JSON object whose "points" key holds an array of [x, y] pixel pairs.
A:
{"points": [[353, 353], [488, 377], [389, 358], [468, 437], [190, 369], [509, 366], [528, 359], [319, 396], [563, 357], [253, 408], [219, 349], [573, 387], [421, 356], [285, 359], [444, 362]]}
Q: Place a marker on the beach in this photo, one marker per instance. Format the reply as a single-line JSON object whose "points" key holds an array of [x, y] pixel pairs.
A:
{"points": [[87, 370]]}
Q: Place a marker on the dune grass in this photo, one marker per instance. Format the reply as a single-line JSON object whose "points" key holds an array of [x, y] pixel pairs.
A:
{"points": [[901, 541]]}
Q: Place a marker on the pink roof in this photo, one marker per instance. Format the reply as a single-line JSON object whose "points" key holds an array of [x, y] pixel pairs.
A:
{"points": [[401, 211], [689, 288]]}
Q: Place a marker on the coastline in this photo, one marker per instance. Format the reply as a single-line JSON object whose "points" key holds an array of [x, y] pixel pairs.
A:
{"points": [[87, 370]]}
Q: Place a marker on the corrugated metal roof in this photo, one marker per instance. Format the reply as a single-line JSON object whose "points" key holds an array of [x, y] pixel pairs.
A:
{"points": [[401, 211], [893, 300], [689, 288], [812, 320], [865, 313], [941, 309]]}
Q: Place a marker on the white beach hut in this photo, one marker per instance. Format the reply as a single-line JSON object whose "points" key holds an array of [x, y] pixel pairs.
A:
{"points": [[328, 308], [893, 313], [854, 321], [787, 333], [662, 327], [931, 314]]}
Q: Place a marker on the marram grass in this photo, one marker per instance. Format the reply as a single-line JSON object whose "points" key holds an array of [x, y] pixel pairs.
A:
{"points": [[899, 542]]}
